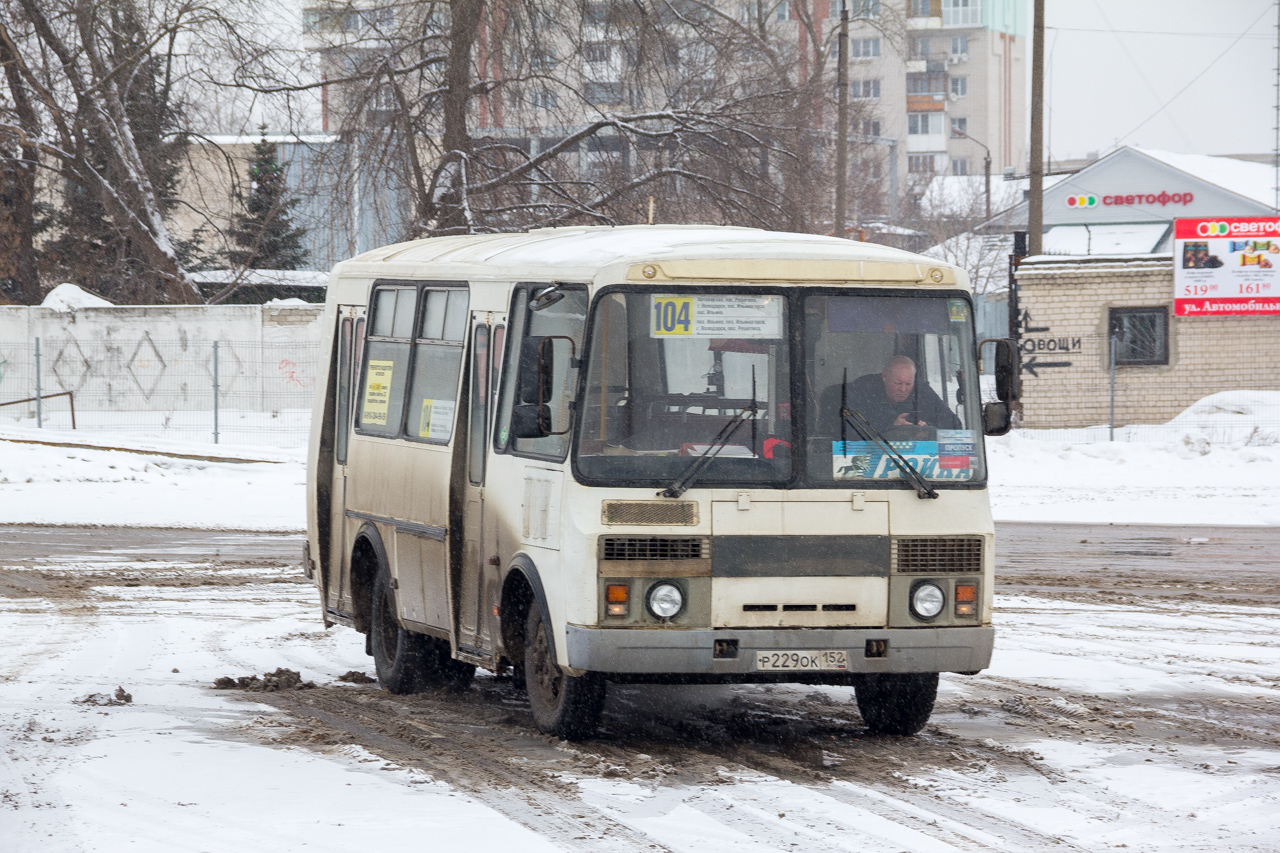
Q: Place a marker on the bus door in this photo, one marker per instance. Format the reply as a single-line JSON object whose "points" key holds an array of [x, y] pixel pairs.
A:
{"points": [[479, 533], [350, 343]]}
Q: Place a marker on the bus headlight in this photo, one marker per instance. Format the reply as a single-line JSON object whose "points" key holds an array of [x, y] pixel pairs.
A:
{"points": [[664, 600], [927, 600]]}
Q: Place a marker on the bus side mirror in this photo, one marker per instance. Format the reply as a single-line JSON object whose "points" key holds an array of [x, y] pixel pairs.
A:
{"points": [[1008, 369], [996, 418]]}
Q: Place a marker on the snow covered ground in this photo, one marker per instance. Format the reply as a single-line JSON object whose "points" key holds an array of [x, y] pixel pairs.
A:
{"points": [[1181, 482], [1099, 726]]}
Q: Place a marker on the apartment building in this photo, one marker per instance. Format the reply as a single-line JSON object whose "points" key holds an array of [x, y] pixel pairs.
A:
{"points": [[950, 85]]}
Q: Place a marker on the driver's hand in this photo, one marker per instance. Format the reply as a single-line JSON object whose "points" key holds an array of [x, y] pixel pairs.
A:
{"points": [[903, 420]]}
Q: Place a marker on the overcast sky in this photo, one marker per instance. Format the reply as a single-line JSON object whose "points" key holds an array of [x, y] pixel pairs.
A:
{"points": [[1113, 64]]}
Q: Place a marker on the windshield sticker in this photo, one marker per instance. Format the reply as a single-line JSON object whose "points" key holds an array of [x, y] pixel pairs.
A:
{"points": [[957, 310], [700, 316], [864, 460], [377, 393], [437, 419]]}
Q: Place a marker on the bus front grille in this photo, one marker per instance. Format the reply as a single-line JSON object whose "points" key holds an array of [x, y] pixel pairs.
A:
{"points": [[933, 554], [616, 548], [683, 513]]}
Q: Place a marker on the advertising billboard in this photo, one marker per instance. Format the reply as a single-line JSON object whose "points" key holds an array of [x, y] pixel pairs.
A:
{"points": [[1226, 267]]}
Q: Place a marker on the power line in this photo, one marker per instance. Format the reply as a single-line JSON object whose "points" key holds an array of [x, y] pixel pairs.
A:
{"points": [[1193, 80], [1156, 33]]}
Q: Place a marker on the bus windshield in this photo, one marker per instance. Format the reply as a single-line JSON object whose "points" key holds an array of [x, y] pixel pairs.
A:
{"points": [[669, 370]]}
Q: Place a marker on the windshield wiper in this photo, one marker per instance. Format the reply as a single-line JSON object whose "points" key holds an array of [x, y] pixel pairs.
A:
{"points": [[859, 422], [748, 412]]}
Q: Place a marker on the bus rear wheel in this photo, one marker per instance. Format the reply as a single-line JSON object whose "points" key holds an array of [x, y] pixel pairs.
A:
{"points": [[896, 703], [567, 706], [398, 655]]}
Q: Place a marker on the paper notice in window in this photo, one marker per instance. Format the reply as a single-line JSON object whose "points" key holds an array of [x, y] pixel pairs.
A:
{"points": [[702, 316], [377, 393], [437, 419]]}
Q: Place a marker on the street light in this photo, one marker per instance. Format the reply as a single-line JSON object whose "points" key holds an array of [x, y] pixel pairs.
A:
{"points": [[956, 133]]}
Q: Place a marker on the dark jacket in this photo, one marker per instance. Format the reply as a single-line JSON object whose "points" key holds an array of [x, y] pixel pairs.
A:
{"points": [[866, 394]]}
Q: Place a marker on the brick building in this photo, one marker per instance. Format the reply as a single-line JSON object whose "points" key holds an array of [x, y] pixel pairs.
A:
{"points": [[1164, 363]]}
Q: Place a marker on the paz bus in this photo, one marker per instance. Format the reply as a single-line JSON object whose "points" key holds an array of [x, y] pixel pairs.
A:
{"points": [[593, 455]]}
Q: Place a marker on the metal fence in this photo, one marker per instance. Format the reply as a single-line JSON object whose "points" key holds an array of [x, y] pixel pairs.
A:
{"points": [[230, 392]]}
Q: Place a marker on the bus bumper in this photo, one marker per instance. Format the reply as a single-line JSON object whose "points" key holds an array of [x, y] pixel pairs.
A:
{"points": [[683, 651]]}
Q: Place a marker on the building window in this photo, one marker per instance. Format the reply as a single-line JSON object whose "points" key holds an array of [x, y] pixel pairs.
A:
{"points": [[926, 84], [961, 13], [864, 48], [542, 60], [870, 127], [920, 164], [924, 124], [1142, 335], [543, 99], [857, 8], [960, 166], [865, 88], [596, 51], [959, 46], [921, 8], [959, 87], [603, 93], [959, 127]]}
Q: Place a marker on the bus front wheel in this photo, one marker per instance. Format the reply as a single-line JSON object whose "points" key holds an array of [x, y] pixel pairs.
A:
{"points": [[567, 706], [397, 654], [896, 703]]}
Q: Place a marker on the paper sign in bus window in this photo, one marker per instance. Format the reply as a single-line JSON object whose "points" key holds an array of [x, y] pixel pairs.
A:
{"points": [[377, 393], [702, 316], [436, 421], [865, 460]]}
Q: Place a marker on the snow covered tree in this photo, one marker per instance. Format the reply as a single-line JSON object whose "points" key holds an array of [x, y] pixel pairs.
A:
{"points": [[263, 234]]}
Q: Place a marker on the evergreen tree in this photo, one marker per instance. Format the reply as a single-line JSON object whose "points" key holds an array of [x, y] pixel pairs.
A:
{"points": [[262, 232]]}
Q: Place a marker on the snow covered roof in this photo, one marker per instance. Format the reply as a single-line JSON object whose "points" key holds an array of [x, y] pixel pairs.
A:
{"points": [[287, 278], [1139, 238], [1252, 180]]}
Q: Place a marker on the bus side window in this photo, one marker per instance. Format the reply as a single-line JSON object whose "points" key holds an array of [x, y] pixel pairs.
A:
{"points": [[562, 320], [437, 361], [342, 417], [384, 373]]}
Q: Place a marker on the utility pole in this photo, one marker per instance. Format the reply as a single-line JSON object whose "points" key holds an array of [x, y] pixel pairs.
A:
{"points": [[986, 163], [1035, 201], [1276, 151], [842, 122]]}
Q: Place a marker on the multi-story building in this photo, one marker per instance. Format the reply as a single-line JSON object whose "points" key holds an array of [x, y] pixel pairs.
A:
{"points": [[951, 82]]}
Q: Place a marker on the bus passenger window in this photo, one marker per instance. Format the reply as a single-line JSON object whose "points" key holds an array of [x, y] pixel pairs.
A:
{"points": [[560, 322], [436, 365], [385, 370], [342, 417], [479, 405]]}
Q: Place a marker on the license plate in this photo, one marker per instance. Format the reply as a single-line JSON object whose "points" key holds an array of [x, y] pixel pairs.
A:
{"points": [[799, 661]]}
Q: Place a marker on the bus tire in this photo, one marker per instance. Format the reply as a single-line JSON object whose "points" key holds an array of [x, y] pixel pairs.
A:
{"points": [[566, 706], [440, 669], [398, 655], [894, 703]]}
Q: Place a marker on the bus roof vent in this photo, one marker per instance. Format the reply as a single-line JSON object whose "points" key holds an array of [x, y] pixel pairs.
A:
{"points": [[930, 554], [649, 512]]}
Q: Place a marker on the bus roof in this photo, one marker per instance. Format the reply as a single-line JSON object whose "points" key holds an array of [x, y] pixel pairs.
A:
{"points": [[656, 253]]}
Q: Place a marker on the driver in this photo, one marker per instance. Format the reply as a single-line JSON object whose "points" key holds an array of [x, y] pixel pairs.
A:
{"points": [[892, 398]]}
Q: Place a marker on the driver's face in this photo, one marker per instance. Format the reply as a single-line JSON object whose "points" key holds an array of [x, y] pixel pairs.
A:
{"points": [[898, 382]]}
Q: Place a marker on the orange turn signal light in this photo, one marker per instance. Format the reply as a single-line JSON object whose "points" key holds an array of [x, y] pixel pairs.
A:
{"points": [[617, 593], [967, 592]]}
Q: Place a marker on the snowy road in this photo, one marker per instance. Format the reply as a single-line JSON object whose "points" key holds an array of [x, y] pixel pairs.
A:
{"points": [[1132, 704]]}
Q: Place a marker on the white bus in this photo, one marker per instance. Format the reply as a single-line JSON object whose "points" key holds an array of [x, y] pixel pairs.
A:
{"points": [[656, 453]]}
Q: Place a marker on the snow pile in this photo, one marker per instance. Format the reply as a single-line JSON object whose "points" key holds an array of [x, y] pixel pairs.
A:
{"points": [[70, 297], [1234, 417], [42, 484], [1174, 482]]}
